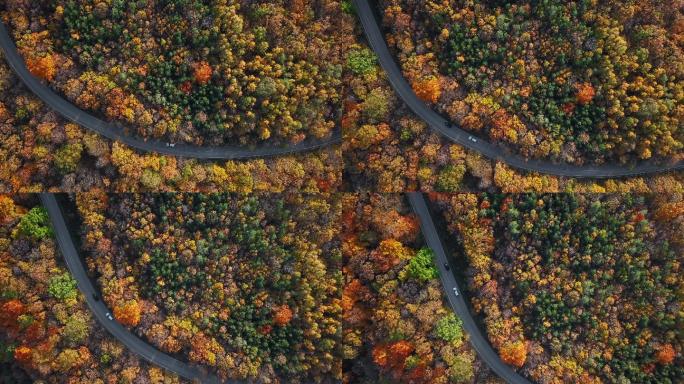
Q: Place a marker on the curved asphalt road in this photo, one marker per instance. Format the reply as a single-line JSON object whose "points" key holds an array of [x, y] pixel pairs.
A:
{"points": [[455, 297], [116, 132], [468, 140], [101, 312]]}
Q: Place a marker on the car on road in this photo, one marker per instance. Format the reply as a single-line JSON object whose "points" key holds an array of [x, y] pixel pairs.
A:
{"points": [[455, 291], [446, 265], [109, 316], [96, 297]]}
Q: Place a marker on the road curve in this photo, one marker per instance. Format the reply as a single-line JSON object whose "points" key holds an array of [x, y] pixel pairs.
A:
{"points": [[439, 124], [100, 311], [457, 301], [116, 132]]}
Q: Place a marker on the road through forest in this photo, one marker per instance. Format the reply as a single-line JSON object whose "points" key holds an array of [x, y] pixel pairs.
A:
{"points": [[439, 124], [455, 295], [116, 132]]}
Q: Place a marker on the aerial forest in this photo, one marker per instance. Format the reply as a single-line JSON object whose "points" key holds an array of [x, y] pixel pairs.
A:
{"points": [[248, 287], [387, 148], [40, 151], [328, 288], [47, 333], [298, 70], [572, 81], [576, 288], [397, 326], [207, 72]]}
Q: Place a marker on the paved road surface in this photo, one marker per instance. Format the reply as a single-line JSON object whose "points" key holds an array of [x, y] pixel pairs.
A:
{"points": [[100, 311], [116, 132], [444, 127], [455, 296]]}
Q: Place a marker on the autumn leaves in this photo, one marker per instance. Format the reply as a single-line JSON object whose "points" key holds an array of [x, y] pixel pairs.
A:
{"points": [[394, 310], [561, 277], [571, 82], [240, 79]]}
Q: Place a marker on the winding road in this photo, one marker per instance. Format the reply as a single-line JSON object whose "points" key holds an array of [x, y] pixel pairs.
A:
{"points": [[116, 132], [154, 356], [103, 314], [455, 296], [444, 127]]}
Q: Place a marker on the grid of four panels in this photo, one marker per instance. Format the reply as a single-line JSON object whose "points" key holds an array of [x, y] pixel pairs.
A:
{"points": [[352, 191]]}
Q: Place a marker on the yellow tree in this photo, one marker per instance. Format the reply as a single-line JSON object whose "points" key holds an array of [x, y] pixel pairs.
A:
{"points": [[128, 313]]}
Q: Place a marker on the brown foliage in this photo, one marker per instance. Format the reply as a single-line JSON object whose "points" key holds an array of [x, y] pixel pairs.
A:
{"points": [[427, 90], [392, 356], [22, 354], [670, 211], [353, 297], [387, 255], [395, 226], [9, 312]]}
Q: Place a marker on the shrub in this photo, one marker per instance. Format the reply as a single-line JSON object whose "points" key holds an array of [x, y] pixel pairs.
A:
{"points": [[376, 105], [76, 329], [461, 369], [449, 178], [347, 7]]}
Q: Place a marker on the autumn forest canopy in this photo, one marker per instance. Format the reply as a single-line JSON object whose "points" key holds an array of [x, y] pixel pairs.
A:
{"points": [[272, 73], [246, 286], [328, 287], [397, 325], [578, 81], [205, 72], [585, 288], [246, 213], [47, 331]]}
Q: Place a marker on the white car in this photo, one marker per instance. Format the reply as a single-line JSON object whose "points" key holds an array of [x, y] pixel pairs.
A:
{"points": [[109, 316], [474, 140], [455, 291]]}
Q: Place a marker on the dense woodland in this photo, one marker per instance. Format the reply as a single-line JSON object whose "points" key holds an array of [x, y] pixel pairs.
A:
{"points": [[386, 148], [207, 72], [574, 81], [47, 333], [40, 151], [397, 325], [322, 288], [577, 288], [247, 286]]}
